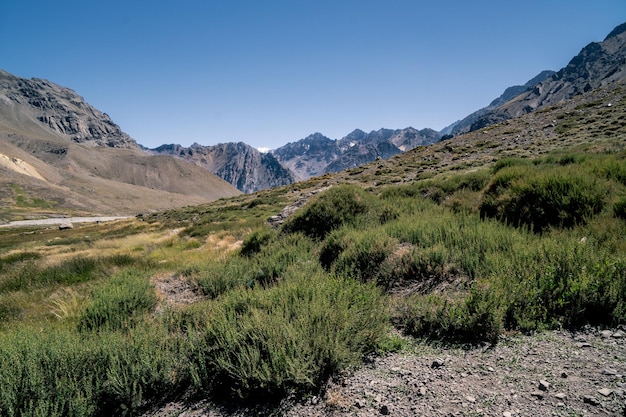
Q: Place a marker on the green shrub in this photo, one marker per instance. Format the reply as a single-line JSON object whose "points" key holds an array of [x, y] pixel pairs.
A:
{"points": [[262, 344], [332, 247], [8, 309], [472, 319], [563, 283], [220, 277], [119, 303], [472, 181], [265, 267], [61, 373], [540, 201], [619, 208], [269, 265], [363, 255], [254, 241], [146, 368], [338, 206], [509, 162]]}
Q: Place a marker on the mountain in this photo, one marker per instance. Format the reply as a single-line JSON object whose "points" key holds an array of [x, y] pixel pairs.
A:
{"points": [[308, 157], [37, 104], [597, 64], [239, 164], [464, 125], [317, 154], [58, 153]]}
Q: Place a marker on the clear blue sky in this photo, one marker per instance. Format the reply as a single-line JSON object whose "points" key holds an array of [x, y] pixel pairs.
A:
{"points": [[274, 71]]}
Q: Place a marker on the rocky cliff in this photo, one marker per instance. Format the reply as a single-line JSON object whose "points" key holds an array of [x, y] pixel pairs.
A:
{"points": [[61, 110], [239, 164]]}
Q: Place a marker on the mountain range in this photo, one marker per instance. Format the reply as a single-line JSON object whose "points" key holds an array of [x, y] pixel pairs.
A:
{"points": [[316, 154], [60, 153]]}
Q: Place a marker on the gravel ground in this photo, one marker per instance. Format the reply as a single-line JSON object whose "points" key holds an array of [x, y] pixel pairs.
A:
{"points": [[555, 373]]}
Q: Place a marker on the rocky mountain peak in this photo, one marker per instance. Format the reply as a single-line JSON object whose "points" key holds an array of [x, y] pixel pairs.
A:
{"points": [[243, 166], [60, 110]]}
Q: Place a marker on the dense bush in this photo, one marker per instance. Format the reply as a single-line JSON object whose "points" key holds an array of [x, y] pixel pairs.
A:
{"points": [[470, 319], [116, 305], [619, 208], [220, 277], [262, 344], [254, 241], [363, 255], [562, 283], [543, 200], [338, 206]]}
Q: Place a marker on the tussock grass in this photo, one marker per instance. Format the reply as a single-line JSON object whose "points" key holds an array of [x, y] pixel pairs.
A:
{"points": [[75, 270]]}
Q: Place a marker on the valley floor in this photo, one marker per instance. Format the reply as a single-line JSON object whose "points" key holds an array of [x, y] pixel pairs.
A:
{"points": [[555, 373]]}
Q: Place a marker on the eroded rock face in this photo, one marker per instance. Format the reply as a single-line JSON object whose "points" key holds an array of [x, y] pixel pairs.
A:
{"points": [[243, 166], [63, 111], [317, 154]]}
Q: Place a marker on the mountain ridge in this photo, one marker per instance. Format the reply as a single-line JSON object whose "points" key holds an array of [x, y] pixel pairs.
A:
{"points": [[243, 166], [317, 154], [596, 65]]}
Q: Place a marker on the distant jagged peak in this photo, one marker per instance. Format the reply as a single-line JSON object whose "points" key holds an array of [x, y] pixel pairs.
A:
{"points": [[317, 136], [238, 163], [355, 135]]}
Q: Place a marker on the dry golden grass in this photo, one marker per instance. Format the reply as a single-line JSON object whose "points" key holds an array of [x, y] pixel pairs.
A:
{"points": [[65, 303]]}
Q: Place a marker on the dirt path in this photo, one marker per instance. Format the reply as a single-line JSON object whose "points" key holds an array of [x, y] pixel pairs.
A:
{"points": [[62, 220]]}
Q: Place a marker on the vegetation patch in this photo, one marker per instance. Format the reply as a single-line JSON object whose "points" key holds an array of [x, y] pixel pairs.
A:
{"points": [[552, 197], [119, 303], [263, 344]]}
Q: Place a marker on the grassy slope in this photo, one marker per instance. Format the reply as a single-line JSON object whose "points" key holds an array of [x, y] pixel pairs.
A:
{"points": [[432, 242]]}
